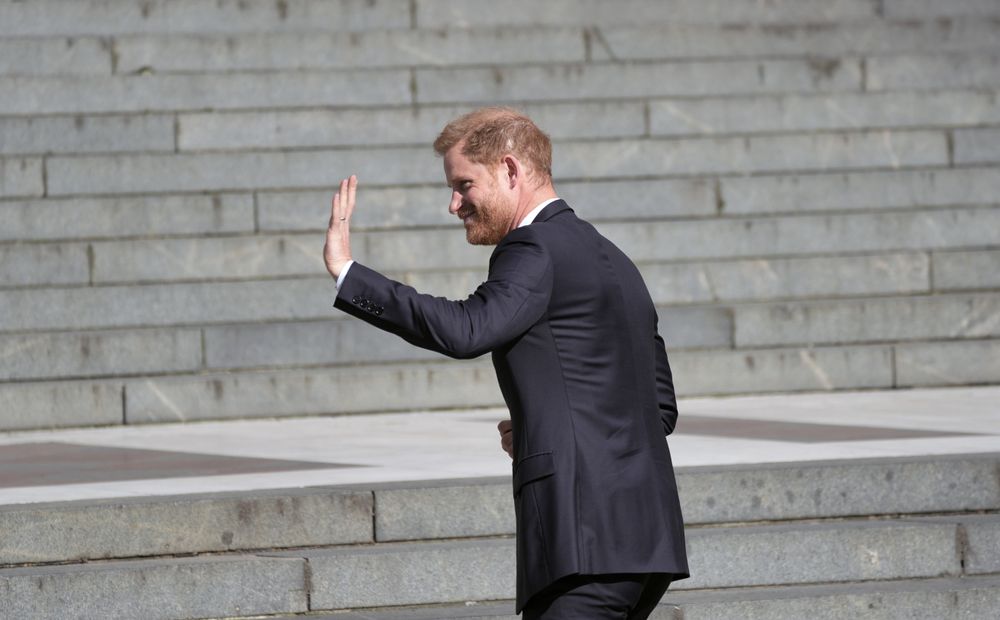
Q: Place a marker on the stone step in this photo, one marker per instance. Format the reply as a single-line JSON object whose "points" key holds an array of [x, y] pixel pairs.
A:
{"points": [[603, 200], [831, 39], [482, 569], [408, 253], [105, 263], [684, 263], [94, 17], [435, 385], [55, 56], [965, 597], [977, 146], [129, 216], [286, 50], [137, 352], [466, 13], [426, 206], [760, 555], [629, 157], [164, 589], [90, 530], [34, 95], [972, 316], [298, 129], [928, 9], [100, 17], [937, 71]]}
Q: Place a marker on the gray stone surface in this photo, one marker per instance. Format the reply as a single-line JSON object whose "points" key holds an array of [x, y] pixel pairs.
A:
{"points": [[755, 154], [60, 404], [467, 609], [848, 111], [90, 354], [199, 258], [93, 530], [655, 241], [868, 191], [121, 174], [576, 160], [156, 589], [888, 319], [345, 341], [21, 177], [379, 48], [51, 56], [166, 304], [816, 39], [838, 489], [464, 13], [951, 228], [598, 81], [964, 598], [982, 536], [322, 342], [933, 72], [399, 207], [392, 126], [966, 270], [719, 494], [412, 573], [773, 554], [696, 327], [408, 250], [599, 200], [86, 134], [766, 279], [926, 9], [947, 363], [78, 218], [151, 92], [30, 264], [714, 372], [378, 207], [427, 510], [977, 146], [99, 17], [312, 392]]}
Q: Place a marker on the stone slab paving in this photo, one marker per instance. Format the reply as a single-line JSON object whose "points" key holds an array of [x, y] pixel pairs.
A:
{"points": [[454, 444]]}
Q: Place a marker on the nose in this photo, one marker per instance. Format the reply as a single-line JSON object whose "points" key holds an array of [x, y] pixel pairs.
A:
{"points": [[456, 203]]}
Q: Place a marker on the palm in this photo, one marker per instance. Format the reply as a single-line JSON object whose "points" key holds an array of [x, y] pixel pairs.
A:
{"points": [[337, 251]]}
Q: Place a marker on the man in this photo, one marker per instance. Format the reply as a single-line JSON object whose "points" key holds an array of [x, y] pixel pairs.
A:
{"points": [[573, 335]]}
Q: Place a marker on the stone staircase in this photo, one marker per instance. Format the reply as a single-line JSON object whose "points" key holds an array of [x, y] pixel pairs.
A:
{"points": [[810, 188], [891, 538]]}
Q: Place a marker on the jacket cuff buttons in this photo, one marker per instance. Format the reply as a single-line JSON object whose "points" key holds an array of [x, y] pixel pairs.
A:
{"points": [[367, 304]]}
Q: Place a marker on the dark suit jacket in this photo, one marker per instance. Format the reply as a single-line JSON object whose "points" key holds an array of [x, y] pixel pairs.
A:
{"points": [[573, 333]]}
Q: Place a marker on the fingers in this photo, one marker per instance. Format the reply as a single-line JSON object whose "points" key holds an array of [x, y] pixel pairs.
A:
{"points": [[506, 428], [352, 192], [343, 201]]}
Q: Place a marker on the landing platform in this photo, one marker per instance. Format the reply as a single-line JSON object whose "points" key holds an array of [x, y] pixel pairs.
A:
{"points": [[174, 459]]}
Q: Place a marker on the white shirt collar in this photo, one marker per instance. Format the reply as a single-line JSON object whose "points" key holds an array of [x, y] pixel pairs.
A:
{"points": [[530, 217]]}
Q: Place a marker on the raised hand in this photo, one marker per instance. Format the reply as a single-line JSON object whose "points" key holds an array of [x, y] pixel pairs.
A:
{"points": [[337, 251]]}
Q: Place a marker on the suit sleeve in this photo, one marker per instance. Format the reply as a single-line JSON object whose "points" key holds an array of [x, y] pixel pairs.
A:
{"points": [[665, 398], [513, 298]]}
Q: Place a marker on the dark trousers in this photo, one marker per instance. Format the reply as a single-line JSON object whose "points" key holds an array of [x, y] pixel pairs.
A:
{"points": [[623, 596]]}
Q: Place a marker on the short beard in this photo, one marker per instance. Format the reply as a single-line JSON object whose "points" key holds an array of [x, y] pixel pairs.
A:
{"points": [[491, 224]]}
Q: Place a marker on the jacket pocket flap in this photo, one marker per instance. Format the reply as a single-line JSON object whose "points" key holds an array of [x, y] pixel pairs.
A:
{"points": [[532, 468]]}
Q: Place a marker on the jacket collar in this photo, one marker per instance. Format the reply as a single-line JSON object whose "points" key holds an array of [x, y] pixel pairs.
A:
{"points": [[551, 210]]}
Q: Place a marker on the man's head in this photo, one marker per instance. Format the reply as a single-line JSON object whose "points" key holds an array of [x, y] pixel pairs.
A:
{"points": [[498, 164]]}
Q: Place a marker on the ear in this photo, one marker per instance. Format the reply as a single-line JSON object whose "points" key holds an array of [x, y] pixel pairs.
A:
{"points": [[513, 171]]}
